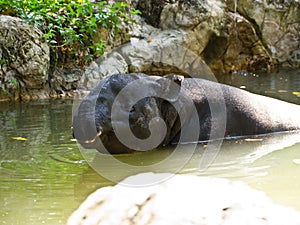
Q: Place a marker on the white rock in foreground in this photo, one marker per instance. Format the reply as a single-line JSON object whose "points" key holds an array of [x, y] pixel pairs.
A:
{"points": [[182, 199]]}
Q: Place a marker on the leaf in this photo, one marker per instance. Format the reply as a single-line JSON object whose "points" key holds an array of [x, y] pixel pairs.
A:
{"points": [[297, 93], [253, 139], [19, 138], [71, 24]]}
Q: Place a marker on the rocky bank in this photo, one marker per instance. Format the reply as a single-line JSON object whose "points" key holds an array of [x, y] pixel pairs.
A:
{"points": [[195, 37]]}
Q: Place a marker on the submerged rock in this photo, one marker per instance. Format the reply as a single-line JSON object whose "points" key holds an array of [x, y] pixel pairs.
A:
{"points": [[182, 199]]}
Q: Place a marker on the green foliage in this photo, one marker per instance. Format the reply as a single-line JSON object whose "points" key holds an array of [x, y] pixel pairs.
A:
{"points": [[71, 26]]}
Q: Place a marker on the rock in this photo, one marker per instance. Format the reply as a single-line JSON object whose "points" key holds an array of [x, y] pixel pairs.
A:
{"points": [[159, 55], [226, 40], [24, 58], [189, 14], [238, 48], [181, 199], [231, 35], [151, 10], [64, 80], [278, 25], [226, 36]]}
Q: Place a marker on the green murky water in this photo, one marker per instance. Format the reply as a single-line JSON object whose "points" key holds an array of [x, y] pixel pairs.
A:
{"points": [[44, 177]]}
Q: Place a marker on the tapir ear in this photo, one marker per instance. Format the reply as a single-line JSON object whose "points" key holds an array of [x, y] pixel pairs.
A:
{"points": [[171, 85]]}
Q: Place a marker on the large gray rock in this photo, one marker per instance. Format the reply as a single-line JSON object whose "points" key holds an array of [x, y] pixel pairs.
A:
{"points": [[24, 57], [159, 54], [278, 25], [226, 40], [182, 199], [232, 35], [227, 36]]}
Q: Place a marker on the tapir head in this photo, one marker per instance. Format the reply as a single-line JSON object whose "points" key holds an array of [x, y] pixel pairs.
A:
{"points": [[124, 94]]}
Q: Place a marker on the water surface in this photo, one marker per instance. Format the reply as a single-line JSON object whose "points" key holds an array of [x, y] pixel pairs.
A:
{"points": [[44, 177]]}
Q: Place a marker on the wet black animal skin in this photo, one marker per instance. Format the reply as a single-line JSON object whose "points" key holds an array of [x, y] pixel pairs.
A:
{"points": [[245, 113]]}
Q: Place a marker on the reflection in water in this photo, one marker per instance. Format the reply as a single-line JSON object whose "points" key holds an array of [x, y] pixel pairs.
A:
{"points": [[44, 177], [35, 188]]}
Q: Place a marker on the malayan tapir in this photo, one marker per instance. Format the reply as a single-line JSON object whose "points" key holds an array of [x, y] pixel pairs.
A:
{"points": [[233, 111]]}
